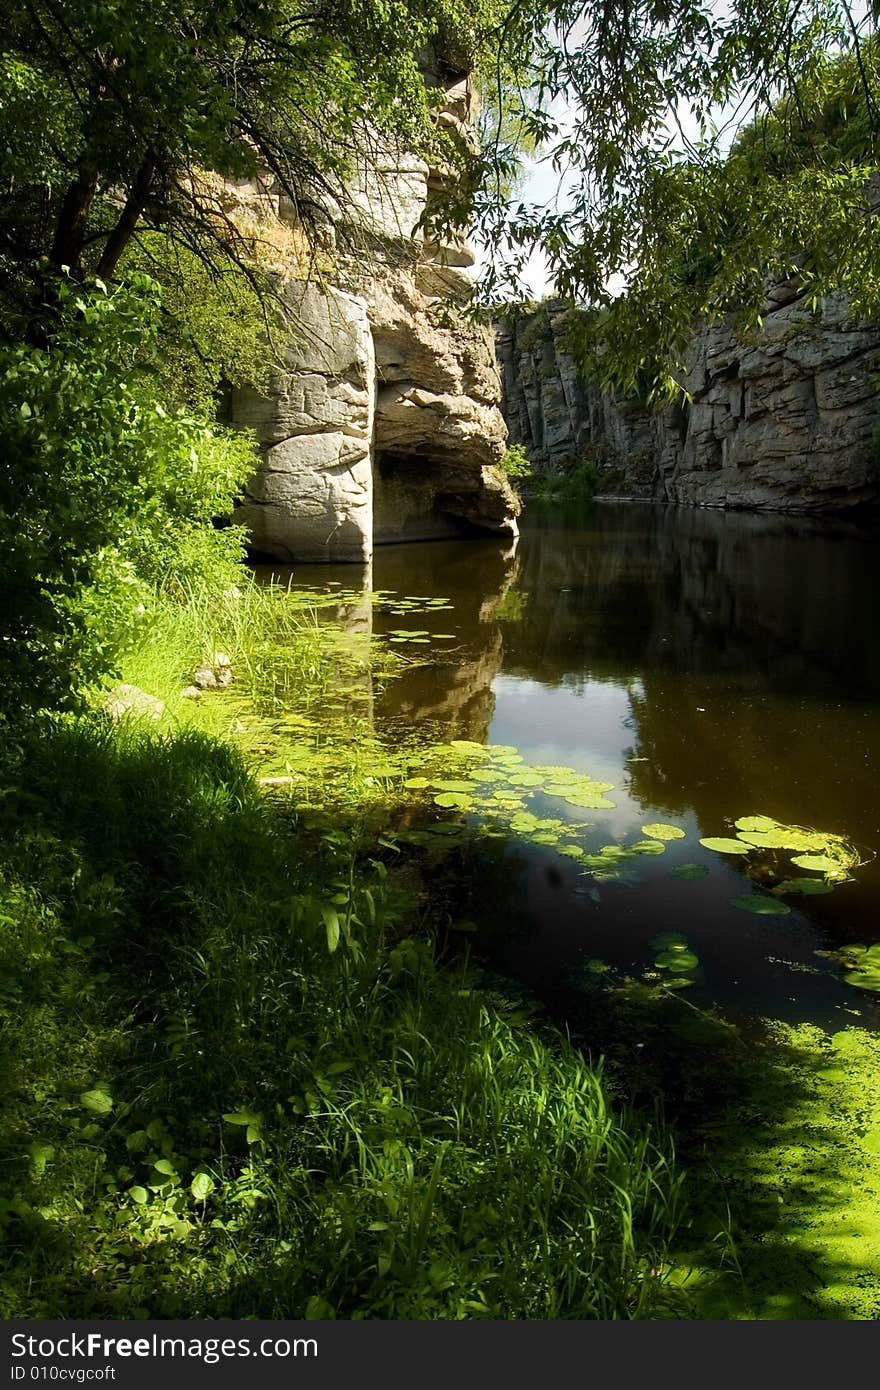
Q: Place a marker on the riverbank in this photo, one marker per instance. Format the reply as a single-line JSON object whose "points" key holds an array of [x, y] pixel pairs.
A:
{"points": [[243, 1077]]}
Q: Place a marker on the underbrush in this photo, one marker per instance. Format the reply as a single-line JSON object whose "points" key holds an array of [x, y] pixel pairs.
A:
{"points": [[238, 1080]]}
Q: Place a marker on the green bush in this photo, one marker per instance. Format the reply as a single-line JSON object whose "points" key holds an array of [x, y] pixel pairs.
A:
{"points": [[106, 489], [516, 463]]}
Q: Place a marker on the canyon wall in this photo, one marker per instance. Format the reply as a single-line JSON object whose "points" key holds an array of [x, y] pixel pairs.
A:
{"points": [[382, 422], [780, 418]]}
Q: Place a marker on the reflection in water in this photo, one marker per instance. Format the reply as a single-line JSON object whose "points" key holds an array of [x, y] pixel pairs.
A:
{"points": [[710, 665]]}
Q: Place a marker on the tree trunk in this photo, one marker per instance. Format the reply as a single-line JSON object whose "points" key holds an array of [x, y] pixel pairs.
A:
{"points": [[128, 219], [70, 229]]}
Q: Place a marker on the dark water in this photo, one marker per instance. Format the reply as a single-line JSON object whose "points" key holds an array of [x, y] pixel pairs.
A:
{"points": [[710, 665]]}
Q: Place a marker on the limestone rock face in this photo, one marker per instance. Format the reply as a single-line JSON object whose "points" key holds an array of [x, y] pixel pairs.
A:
{"points": [[312, 499], [779, 419], [382, 422]]}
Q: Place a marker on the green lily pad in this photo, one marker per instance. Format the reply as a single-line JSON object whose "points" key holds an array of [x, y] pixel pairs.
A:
{"points": [[761, 905], [689, 871], [811, 886], [667, 939], [648, 847], [452, 799], [820, 862], [723, 845], [760, 823], [416, 783], [679, 962], [658, 830]]}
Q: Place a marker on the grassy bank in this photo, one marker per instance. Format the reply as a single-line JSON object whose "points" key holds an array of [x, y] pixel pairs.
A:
{"points": [[239, 1079]]}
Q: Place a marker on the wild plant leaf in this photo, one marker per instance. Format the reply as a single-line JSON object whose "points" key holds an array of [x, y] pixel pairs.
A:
{"points": [[454, 786], [331, 923], [659, 830], [97, 1101], [202, 1186], [648, 847], [761, 904], [689, 871], [139, 1195], [723, 845], [243, 1118]]}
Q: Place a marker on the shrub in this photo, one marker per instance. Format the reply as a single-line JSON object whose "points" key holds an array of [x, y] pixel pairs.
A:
{"points": [[106, 489], [516, 463]]}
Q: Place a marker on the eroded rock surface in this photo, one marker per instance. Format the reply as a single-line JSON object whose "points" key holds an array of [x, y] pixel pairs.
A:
{"points": [[782, 418], [383, 421]]}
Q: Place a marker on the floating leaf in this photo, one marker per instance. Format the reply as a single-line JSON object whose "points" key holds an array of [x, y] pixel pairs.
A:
{"points": [[677, 960], [811, 886], [756, 823], [689, 871], [658, 830], [416, 783], [761, 904], [454, 786], [449, 800], [722, 845], [820, 862], [648, 847], [665, 939]]}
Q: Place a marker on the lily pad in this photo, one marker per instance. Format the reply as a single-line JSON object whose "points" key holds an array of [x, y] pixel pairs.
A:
{"points": [[689, 871], [822, 863], [759, 823], [761, 905], [723, 845], [679, 962], [811, 886], [659, 830], [452, 799], [648, 847], [666, 939]]}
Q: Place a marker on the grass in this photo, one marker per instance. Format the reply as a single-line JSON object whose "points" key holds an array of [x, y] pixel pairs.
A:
{"points": [[239, 1076]]}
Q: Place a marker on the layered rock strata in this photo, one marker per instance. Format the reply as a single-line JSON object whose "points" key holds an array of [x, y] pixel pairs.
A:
{"points": [[781, 418]]}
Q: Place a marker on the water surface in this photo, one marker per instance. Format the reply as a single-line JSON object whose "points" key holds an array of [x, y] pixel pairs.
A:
{"points": [[710, 665]]}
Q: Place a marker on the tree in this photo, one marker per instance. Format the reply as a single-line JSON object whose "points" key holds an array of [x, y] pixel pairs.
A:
{"points": [[653, 191], [119, 115]]}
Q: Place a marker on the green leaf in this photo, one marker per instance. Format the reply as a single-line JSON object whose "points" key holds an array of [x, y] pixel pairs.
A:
{"points": [[331, 922], [812, 886], [689, 871], [164, 1165], [243, 1117], [659, 830], [202, 1186], [722, 845], [140, 1195], [761, 905], [98, 1102], [821, 863]]}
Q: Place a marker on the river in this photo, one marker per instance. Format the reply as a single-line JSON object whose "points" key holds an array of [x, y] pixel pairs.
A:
{"points": [[710, 665]]}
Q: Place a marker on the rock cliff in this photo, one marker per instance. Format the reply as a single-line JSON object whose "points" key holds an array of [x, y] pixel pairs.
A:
{"points": [[781, 418], [382, 422]]}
